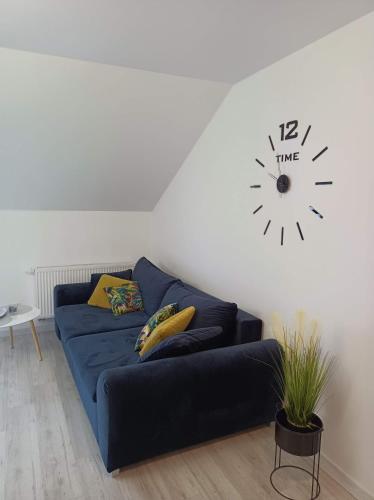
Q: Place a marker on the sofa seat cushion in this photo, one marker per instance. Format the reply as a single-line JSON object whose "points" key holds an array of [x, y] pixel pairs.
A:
{"points": [[210, 311], [92, 354], [153, 284], [82, 319]]}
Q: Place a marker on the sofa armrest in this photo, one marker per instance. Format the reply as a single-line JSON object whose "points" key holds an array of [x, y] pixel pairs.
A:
{"points": [[73, 293], [155, 407], [248, 328]]}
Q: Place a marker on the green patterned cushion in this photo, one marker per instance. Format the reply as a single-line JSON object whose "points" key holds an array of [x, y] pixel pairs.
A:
{"points": [[158, 317], [125, 298]]}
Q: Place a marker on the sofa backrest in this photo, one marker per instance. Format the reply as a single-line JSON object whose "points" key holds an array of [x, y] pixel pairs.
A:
{"points": [[210, 311], [125, 275], [153, 284], [159, 289]]}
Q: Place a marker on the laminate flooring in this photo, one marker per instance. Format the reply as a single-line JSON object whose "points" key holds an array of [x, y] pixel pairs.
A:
{"points": [[48, 451]]}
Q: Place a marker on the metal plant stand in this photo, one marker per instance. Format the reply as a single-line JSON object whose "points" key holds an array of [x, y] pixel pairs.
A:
{"points": [[311, 448]]}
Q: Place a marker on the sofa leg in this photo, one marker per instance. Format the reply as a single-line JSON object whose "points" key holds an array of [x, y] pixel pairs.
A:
{"points": [[115, 472]]}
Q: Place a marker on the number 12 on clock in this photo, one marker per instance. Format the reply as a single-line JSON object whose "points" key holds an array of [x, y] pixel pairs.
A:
{"points": [[288, 130]]}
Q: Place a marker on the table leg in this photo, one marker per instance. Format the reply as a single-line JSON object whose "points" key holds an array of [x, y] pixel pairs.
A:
{"points": [[11, 337], [36, 340]]}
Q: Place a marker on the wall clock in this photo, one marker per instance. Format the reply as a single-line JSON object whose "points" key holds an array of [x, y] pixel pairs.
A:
{"points": [[289, 137]]}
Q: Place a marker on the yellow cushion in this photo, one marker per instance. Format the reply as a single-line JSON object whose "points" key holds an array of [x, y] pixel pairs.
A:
{"points": [[175, 324], [99, 298]]}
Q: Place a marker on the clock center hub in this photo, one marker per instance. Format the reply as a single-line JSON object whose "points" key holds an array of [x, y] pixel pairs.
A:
{"points": [[283, 183]]}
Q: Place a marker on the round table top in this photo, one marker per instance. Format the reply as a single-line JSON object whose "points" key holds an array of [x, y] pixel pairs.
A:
{"points": [[24, 313]]}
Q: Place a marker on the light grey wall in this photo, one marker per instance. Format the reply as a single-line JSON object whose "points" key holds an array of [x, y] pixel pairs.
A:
{"points": [[204, 229], [49, 238]]}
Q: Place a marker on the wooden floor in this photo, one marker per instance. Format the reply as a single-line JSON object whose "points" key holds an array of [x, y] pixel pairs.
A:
{"points": [[47, 449]]}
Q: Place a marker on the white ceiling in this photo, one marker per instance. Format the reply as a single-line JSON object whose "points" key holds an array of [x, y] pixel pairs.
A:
{"points": [[222, 40], [78, 135]]}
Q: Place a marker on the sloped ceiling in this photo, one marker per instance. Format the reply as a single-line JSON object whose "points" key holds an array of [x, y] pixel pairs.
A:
{"points": [[78, 135], [101, 101], [223, 40]]}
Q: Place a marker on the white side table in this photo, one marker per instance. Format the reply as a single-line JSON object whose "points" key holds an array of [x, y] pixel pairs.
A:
{"points": [[24, 314]]}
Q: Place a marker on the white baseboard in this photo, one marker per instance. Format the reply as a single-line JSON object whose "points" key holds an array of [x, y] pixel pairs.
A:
{"points": [[345, 480]]}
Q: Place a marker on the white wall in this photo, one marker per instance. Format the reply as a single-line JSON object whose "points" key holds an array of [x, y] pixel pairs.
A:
{"points": [[37, 238], [204, 230]]}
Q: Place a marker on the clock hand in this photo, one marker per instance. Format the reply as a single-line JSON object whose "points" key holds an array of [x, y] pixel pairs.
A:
{"points": [[273, 176]]}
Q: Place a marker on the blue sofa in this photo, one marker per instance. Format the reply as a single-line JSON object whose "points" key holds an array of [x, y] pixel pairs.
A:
{"points": [[141, 409]]}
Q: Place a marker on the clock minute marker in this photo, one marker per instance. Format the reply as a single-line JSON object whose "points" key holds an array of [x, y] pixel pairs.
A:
{"points": [[320, 153], [323, 183], [300, 231], [260, 163], [257, 209], [282, 236], [256, 186], [306, 135], [271, 143], [315, 212], [267, 226]]}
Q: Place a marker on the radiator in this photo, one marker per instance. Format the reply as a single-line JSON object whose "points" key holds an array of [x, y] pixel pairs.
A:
{"points": [[47, 277]]}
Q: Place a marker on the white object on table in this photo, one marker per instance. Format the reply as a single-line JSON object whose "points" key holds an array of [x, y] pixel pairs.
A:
{"points": [[24, 314]]}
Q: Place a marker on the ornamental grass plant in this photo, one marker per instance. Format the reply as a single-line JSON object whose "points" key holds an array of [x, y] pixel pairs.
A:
{"points": [[303, 372]]}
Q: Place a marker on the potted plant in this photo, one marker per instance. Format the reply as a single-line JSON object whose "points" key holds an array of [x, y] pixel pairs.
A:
{"points": [[302, 373]]}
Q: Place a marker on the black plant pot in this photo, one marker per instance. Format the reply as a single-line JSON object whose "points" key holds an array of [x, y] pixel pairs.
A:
{"points": [[303, 442]]}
